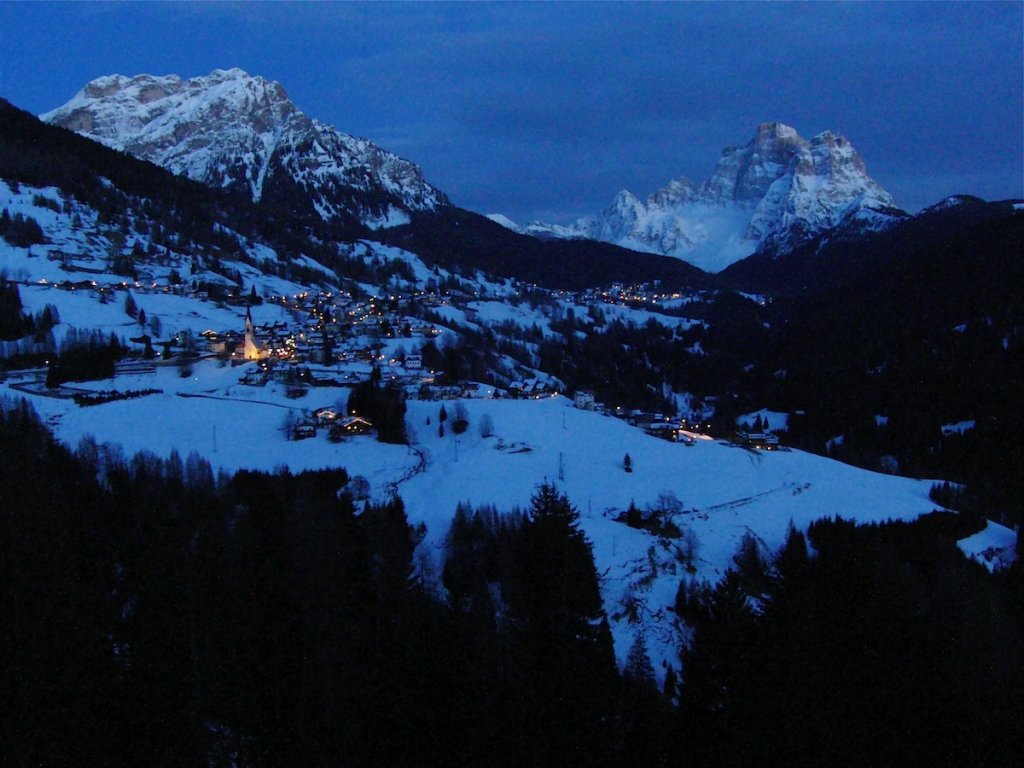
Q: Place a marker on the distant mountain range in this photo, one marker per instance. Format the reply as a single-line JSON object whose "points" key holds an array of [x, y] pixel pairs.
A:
{"points": [[229, 129], [772, 194]]}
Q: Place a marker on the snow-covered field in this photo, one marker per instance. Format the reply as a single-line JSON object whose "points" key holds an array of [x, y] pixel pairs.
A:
{"points": [[724, 491], [994, 547]]}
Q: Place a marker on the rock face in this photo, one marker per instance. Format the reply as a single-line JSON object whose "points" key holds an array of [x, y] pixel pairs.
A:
{"points": [[771, 194], [229, 129]]}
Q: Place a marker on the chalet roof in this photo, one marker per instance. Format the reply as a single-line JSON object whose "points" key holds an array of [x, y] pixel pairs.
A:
{"points": [[349, 421]]}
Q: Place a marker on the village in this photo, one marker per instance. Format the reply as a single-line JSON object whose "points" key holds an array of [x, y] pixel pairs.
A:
{"points": [[334, 338]]}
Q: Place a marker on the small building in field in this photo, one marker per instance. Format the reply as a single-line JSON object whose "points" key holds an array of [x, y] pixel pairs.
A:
{"points": [[761, 441], [326, 416], [584, 400], [351, 426], [255, 377], [666, 430], [304, 429]]}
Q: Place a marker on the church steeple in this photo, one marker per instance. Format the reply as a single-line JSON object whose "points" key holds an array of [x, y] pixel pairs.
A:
{"points": [[250, 351]]}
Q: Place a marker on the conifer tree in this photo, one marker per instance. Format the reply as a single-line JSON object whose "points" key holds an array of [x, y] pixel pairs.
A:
{"points": [[638, 662], [561, 627]]}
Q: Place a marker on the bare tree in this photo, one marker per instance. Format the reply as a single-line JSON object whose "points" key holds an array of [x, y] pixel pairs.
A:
{"points": [[460, 422], [689, 546], [288, 423], [667, 503], [359, 487]]}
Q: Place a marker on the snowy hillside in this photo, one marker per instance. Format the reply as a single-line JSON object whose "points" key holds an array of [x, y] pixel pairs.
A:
{"points": [[775, 192], [717, 491], [229, 129]]}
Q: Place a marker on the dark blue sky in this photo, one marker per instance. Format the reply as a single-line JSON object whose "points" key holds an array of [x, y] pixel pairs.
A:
{"points": [[546, 110]]}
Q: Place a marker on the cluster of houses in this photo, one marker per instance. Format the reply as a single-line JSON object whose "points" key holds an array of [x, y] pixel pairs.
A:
{"points": [[533, 389], [107, 290], [334, 330], [675, 430], [620, 293], [761, 441], [338, 425]]}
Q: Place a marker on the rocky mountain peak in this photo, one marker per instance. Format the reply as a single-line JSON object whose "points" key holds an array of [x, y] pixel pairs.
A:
{"points": [[232, 129], [744, 174], [774, 192], [770, 132]]}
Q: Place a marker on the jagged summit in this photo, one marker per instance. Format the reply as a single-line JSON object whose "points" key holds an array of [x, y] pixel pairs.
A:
{"points": [[774, 192], [744, 174], [232, 129]]}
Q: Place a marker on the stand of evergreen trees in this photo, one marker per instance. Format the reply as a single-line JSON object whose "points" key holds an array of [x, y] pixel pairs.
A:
{"points": [[886, 647], [85, 356], [383, 405], [157, 613], [19, 230], [15, 323]]}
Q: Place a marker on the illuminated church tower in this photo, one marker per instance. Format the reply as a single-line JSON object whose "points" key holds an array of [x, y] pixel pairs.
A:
{"points": [[249, 350]]}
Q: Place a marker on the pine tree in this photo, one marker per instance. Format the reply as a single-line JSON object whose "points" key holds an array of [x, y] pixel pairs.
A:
{"points": [[752, 569], [561, 628], [563, 601], [638, 662], [792, 561]]}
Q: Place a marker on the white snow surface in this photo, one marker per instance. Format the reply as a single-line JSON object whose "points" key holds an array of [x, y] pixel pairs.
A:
{"points": [[959, 428], [995, 546]]}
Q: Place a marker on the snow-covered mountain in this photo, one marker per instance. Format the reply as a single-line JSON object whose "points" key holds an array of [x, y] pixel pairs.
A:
{"points": [[773, 193], [538, 229], [229, 129]]}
